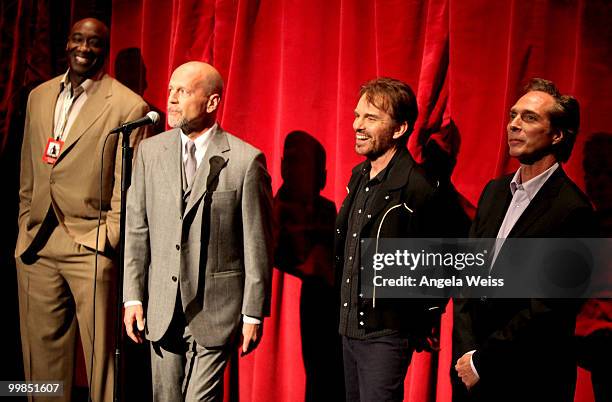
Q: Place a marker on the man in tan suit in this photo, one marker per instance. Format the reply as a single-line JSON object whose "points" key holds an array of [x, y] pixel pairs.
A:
{"points": [[67, 122], [198, 242]]}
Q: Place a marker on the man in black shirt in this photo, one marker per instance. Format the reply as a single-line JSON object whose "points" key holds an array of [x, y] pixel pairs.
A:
{"points": [[388, 197]]}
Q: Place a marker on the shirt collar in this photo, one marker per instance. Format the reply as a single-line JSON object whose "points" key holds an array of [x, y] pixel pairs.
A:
{"points": [[382, 175], [201, 141], [532, 186], [85, 85]]}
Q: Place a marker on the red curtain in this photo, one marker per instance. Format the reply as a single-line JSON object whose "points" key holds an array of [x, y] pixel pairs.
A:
{"points": [[298, 65]]}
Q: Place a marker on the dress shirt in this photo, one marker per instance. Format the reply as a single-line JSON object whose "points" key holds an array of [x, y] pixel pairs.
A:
{"points": [[522, 194], [69, 103], [201, 144]]}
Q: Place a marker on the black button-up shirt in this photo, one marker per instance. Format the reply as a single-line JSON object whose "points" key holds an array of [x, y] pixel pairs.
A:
{"points": [[351, 318]]}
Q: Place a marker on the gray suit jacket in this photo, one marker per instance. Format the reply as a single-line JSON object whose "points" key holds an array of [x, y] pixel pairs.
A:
{"points": [[216, 246]]}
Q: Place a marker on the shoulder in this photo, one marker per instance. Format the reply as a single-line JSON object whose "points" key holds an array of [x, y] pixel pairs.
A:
{"points": [[52, 84], [241, 147], [123, 94], [571, 194], [158, 142]]}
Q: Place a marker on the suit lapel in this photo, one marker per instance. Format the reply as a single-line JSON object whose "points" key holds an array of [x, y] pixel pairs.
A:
{"points": [[91, 111], [539, 205], [47, 109], [496, 215], [342, 218], [218, 146], [172, 165]]}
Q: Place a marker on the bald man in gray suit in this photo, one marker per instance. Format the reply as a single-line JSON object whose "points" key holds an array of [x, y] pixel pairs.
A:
{"points": [[198, 242]]}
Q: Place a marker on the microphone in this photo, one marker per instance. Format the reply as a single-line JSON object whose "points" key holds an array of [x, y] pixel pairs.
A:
{"points": [[150, 118]]}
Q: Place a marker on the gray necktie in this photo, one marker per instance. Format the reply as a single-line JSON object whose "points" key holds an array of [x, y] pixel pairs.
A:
{"points": [[191, 163]]}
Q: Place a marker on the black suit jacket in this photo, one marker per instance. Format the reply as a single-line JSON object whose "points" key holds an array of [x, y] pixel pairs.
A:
{"points": [[405, 184], [523, 346]]}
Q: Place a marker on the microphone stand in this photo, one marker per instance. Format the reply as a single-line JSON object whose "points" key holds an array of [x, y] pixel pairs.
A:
{"points": [[126, 175]]}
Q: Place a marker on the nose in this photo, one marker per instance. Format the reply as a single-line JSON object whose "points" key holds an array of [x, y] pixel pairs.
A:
{"points": [[514, 123], [83, 46], [172, 97], [358, 124]]}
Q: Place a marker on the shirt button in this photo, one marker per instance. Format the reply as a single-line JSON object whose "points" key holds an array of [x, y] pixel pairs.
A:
{"points": [[178, 247], [350, 258], [386, 197], [345, 304], [360, 294], [348, 280], [367, 189], [337, 230], [361, 313], [361, 323], [174, 278], [361, 268], [369, 216], [359, 211], [354, 234]]}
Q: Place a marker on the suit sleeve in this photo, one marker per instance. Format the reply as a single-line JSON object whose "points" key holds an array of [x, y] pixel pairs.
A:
{"points": [[112, 217], [257, 237], [137, 246], [26, 180]]}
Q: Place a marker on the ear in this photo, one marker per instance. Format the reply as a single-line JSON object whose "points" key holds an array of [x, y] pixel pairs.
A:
{"points": [[557, 137], [213, 103], [400, 130]]}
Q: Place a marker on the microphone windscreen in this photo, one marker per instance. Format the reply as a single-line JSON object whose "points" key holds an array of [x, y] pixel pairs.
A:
{"points": [[154, 116]]}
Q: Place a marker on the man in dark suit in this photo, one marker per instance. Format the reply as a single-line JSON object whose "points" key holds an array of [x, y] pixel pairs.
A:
{"points": [[521, 349], [67, 123], [388, 197]]}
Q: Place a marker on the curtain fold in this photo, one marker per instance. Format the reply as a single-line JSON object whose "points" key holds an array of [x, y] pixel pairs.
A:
{"points": [[298, 65]]}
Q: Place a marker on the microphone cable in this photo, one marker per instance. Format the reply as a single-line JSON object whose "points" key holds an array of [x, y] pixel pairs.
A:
{"points": [[95, 279]]}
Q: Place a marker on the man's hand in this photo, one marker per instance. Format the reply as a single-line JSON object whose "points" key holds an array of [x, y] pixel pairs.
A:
{"points": [[464, 370], [251, 335], [134, 315]]}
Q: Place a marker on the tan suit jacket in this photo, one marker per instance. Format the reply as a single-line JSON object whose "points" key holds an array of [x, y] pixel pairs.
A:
{"points": [[72, 186]]}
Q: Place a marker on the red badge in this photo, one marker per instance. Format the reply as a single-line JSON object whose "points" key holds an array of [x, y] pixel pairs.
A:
{"points": [[52, 151]]}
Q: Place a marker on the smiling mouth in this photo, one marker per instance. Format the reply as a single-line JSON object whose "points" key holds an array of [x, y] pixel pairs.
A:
{"points": [[82, 60], [360, 137]]}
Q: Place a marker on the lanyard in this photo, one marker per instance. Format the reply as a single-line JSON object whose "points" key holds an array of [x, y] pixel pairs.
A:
{"points": [[67, 97]]}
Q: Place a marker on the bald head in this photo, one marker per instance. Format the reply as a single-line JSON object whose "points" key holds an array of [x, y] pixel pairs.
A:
{"points": [[202, 74], [194, 93]]}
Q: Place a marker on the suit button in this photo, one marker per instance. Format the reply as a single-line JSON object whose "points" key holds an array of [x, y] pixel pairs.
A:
{"points": [[174, 279], [178, 247]]}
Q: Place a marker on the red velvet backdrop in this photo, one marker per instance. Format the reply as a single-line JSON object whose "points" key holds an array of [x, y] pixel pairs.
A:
{"points": [[298, 65]]}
